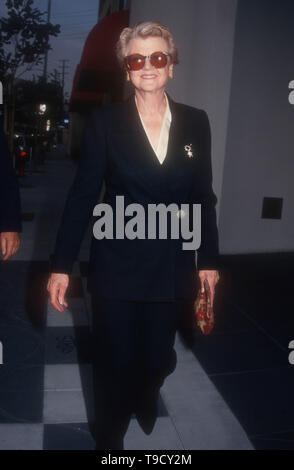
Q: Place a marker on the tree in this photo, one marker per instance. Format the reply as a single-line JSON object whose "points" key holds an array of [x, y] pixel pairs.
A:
{"points": [[24, 39]]}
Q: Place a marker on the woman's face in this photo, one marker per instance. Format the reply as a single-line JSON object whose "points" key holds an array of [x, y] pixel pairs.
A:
{"points": [[149, 78]]}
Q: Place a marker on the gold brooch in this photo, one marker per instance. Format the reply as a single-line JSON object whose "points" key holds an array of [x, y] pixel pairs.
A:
{"points": [[188, 149]]}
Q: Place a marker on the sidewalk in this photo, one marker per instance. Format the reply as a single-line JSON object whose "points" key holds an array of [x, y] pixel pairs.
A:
{"points": [[45, 381]]}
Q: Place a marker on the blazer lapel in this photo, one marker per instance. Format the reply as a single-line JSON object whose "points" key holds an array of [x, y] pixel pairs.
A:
{"points": [[141, 140], [175, 134], [136, 159]]}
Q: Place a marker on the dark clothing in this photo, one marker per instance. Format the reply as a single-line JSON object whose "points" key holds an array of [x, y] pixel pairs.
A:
{"points": [[132, 355], [10, 214], [115, 148], [141, 288]]}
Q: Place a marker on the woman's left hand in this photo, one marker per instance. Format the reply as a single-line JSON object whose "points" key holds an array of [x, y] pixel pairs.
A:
{"points": [[212, 277]]}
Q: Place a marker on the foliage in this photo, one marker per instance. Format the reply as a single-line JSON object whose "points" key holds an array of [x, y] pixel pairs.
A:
{"points": [[24, 38]]}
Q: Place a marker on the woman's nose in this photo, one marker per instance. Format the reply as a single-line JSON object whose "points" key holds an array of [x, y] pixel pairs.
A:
{"points": [[147, 65]]}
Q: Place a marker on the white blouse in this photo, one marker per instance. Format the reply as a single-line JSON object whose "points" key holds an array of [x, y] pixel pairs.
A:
{"points": [[161, 149]]}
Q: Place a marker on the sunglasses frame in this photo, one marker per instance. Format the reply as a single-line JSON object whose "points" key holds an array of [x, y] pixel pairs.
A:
{"points": [[145, 57]]}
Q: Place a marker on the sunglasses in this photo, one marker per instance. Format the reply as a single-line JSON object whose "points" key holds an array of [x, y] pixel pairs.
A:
{"points": [[137, 61]]}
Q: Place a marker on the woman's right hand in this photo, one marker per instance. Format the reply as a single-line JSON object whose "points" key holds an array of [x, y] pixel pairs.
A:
{"points": [[57, 286]]}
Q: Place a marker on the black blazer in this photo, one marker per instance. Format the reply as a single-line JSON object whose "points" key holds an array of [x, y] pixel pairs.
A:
{"points": [[10, 215], [115, 148]]}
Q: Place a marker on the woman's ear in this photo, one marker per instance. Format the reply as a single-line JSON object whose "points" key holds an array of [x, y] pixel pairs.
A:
{"points": [[171, 71]]}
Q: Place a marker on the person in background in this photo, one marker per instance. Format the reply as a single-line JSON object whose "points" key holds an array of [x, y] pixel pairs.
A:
{"points": [[10, 211]]}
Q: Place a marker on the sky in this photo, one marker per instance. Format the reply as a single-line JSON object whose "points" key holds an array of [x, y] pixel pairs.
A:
{"points": [[76, 19]]}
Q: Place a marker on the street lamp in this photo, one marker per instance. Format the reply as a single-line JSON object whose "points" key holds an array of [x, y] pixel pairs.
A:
{"points": [[42, 108]]}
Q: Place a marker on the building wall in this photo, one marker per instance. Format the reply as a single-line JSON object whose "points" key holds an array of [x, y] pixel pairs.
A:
{"points": [[260, 142]]}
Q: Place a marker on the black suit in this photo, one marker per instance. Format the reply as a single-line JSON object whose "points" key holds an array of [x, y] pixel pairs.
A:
{"points": [[141, 287], [10, 216], [116, 148]]}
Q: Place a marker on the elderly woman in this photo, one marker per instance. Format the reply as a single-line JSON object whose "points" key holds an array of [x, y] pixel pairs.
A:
{"points": [[149, 150]]}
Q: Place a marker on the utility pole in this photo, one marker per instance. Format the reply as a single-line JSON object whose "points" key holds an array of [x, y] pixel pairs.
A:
{"points": [[99, 11], [63, 72], [56, 76], [46, 53]]}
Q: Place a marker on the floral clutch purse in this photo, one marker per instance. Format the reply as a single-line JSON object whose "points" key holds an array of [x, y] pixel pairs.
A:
{"points": [[203, 310]]}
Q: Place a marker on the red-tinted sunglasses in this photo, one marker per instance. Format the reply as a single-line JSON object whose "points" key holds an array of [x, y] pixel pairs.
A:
{"points": [[137, 61]]}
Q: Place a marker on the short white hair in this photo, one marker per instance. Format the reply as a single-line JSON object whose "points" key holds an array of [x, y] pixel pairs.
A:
{"points": [[145, 29]]}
